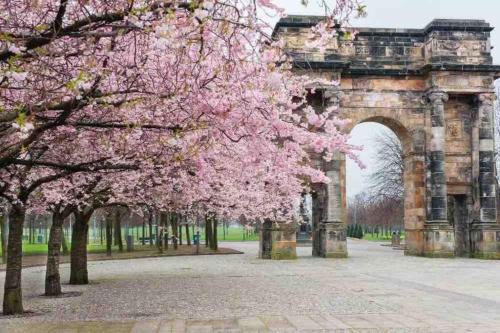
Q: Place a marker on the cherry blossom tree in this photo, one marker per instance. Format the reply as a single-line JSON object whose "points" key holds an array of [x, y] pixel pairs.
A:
{"points": [[189, 100]]}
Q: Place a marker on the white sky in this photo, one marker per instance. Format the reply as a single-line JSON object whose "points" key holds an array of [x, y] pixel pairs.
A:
{"points": [[401, 14]]}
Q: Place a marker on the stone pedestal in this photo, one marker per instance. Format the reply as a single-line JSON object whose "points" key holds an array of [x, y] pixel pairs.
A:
{"points": [[485, 241], [396, 239], [332, 240], [278, 241], [439, 241]]}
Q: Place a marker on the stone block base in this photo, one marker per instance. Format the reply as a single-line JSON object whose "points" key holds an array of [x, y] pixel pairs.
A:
{"points": [[414, 242], [485, 241], [278, 241], [439, 241], [332, 240], [434, 241]]}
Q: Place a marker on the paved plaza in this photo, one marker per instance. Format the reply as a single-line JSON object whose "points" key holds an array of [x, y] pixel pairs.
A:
{"points": [[376, 289]]}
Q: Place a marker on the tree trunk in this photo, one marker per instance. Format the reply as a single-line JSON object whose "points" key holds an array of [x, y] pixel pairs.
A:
{"points": [[150, 221], [180, 233], [159, 239], [118, 230], [215, 244], [143, 241], [136, 228], [188, 236], [52, 277], [64, 244], [101, 233], [79, 272], [30, 230], [12, 299], [208, 232], [5, 231], [164, 222], [109, 234], [175, 230]]}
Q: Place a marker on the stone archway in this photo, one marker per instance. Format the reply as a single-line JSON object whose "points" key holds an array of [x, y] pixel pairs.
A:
{"points": [[434, 88], [411, 138]]}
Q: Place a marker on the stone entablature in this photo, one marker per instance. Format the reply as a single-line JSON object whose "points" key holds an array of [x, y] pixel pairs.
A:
{"points": [[434, 88], [452, 44]]}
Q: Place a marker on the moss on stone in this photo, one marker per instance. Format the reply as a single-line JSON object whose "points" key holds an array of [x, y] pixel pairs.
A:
{"points": [[339, 255], [284, 254], [486, 255]]}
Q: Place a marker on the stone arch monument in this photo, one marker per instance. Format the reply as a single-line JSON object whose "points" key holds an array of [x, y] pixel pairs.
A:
{"points": [[434, 88]]}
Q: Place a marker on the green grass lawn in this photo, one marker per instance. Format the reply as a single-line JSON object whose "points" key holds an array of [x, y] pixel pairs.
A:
{"points": [[232, 234], [380, 238]]}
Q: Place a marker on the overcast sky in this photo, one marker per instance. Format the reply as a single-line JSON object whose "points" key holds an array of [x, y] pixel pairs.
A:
{"points": [[402, 14]]}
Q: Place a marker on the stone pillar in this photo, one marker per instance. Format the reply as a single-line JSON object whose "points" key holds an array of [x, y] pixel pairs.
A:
{"points": [[438, 204], [487, 181], [438, 234], [485, 232], [277, 240], [332, 230]]}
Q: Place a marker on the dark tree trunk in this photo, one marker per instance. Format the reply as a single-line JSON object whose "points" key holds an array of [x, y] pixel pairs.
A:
{"points": [[79, 272], [52, 276], [164, 222], [4, 227], [118, 230], [188, 236], [215, 245], [109, 234], [150, 222], [136, 228], [101, 233], [159, 239], [175, 230], [12, 299], [208, 232], [143, 232], [180, 232], [64, 243], [30, 231]]}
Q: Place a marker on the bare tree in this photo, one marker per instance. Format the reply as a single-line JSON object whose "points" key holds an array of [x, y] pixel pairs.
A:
{"points": [[386, 182], [381, 206]]}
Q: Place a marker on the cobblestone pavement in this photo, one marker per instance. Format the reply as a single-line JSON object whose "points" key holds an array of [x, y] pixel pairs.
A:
{"points": [[376, 289]]}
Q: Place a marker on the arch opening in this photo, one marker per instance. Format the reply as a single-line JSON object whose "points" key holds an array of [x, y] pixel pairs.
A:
{"points": [[375, 195]]}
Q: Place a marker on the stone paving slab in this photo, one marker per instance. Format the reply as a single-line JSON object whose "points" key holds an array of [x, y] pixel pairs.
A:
{"points": [[314, 323]]}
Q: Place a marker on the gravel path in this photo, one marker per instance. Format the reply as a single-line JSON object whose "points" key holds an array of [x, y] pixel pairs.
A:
{"points": [[374, 280]]}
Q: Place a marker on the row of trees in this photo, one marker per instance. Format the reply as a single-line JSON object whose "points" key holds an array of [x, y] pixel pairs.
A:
{"points": [[182, 106], [355, 231]]}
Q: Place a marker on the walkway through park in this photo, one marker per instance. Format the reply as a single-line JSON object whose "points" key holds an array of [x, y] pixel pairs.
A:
{"points": [[376, 289]]}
